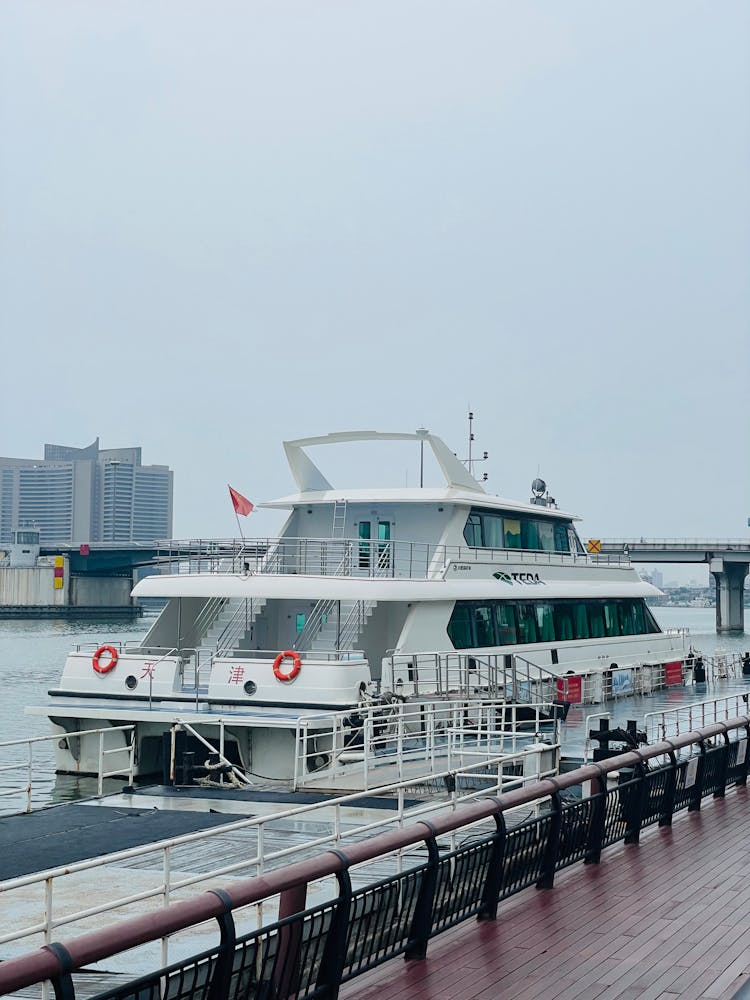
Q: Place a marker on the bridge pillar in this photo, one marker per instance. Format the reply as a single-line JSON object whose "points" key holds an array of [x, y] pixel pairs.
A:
{"points": [[730, 594]]}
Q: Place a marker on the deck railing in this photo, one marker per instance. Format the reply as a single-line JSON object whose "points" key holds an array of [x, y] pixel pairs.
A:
{"points": [[315, 945], [352, 557], [23, 766], [324, 824]]}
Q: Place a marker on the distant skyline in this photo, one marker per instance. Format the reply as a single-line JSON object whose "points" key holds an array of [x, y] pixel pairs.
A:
{"points": [[226, 225]]}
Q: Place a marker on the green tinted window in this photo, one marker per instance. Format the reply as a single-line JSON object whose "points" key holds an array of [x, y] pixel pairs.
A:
{"points": [[459, 627], [596, 619], [563, 615], [529, 534], [581, 621], [364, 547], [503, 623], [562, 542], [545, 622], [611, 618], [526, 623], [512, 532], [483, 629]]}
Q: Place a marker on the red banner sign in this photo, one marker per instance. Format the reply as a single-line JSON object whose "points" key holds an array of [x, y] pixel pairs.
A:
{"points": [[673, 673], [570, 689]]}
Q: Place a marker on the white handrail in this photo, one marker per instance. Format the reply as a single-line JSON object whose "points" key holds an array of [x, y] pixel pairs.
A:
{"points": [[31, 741], [262, 858]]}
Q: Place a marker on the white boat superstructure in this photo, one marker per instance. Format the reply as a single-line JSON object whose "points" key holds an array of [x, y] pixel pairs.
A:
{"points": [[368, 598]]}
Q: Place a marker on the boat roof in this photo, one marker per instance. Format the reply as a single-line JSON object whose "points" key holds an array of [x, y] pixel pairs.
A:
{"points": [[446, 495], [348, 588], [461, 489]]}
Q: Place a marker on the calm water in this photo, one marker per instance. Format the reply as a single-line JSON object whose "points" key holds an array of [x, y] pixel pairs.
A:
{"points": [[32, 655]]}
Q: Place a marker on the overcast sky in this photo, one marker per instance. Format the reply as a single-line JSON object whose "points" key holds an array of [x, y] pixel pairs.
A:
{"points": [[226, 224]]}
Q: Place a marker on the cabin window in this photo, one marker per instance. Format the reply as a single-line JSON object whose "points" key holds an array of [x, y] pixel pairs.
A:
{"points": [[529, 534], [505, 623], [384, 547], [364, 546], [575, 541], [649, 622], [526, 623], [473, 531], [459, 627], [627, 618], [485, 634], [581, 621], [611, 618], [563, 616], [546, 536], [562, 542], [545, 622], [512, 532], [485, 529], [493, 532], [596, 620]]}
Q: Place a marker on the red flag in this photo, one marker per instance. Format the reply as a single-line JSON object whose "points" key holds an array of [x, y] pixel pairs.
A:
{"points": [[241, 504]]}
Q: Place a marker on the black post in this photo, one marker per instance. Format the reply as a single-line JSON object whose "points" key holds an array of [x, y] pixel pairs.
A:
{"points": [[723, 769], [742, 780], [633, 802], [667, 811], [222, 977], [62, 984], [598, 819], [694, 804], [188, 765], [493, 884], [334, 952], [421, 928], [552, 847]]}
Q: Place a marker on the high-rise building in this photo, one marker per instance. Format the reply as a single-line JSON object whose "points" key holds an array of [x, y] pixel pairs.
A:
{"points": [[77, 495]]}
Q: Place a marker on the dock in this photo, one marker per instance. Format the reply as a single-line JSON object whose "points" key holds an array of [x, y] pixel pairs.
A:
{"points": [[667, 918]]}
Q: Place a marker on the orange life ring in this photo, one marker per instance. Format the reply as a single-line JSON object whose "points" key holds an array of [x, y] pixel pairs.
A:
{"points": [[104, 668], [296, 665]]}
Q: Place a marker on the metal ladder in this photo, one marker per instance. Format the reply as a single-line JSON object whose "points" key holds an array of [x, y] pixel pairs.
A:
{"points": [[339, 519]]}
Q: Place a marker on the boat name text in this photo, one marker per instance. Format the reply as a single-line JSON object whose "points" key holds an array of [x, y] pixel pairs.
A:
{"points": [[531, 578]]}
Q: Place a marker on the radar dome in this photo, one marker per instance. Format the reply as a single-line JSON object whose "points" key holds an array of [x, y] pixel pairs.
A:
{"points": [[538, 487]]}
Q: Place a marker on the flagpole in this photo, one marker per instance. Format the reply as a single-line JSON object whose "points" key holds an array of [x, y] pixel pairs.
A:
{"points": [[237, 517], [240, 527]]}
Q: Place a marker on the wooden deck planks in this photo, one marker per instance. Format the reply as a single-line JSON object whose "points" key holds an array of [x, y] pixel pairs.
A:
{"points": [[667, 919]]}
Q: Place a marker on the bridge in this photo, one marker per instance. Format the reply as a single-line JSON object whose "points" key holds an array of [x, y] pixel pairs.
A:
{"points": [[728, 561]]}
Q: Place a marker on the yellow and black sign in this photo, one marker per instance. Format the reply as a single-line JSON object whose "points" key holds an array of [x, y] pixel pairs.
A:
{"points": [[594, 546]]}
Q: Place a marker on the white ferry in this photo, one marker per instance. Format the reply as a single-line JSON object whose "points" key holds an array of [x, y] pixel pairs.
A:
{"points": [[448, 603]]}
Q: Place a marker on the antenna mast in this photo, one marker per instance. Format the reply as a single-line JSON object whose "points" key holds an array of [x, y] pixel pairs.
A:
{"points": [[470, 461]]}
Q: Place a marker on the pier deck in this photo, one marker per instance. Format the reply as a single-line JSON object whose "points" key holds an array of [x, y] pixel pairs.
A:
{"points": [[666, 919]]}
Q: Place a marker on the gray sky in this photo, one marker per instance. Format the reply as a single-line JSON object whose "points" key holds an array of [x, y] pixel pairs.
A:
{"points": [[227, 224]]}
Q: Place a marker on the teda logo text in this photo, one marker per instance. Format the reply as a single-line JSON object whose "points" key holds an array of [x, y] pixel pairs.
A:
{"points": [[531, 578]]}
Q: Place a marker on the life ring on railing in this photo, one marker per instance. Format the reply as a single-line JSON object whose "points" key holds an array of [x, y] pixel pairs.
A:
{"points": [[104, 668], [296, 665]]}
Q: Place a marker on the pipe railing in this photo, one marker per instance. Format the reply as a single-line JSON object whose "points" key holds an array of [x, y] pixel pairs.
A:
{"points": [[26, 788], [352, 557], [400, 914]]}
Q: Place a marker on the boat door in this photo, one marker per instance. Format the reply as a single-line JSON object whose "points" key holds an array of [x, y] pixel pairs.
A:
{"points": [[375, 557]]}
